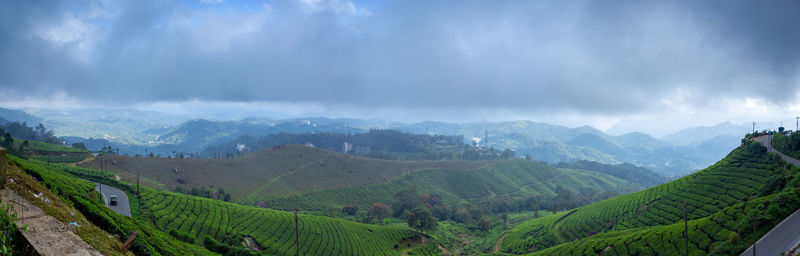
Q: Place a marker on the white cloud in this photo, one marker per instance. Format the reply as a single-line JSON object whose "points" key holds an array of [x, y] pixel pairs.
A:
{"points": [[344, 7], [216, 30], [212, 1], [73, 35]]}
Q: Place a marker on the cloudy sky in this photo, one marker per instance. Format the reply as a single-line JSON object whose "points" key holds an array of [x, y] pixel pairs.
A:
{"points": [[655, 64]]}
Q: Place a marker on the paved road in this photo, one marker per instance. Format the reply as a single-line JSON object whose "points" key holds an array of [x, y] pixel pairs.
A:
{"points": [[765, 139], [122, 207], [784, 235]]}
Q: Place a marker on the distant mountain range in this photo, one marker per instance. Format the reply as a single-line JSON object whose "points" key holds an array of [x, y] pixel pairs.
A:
{"points": [[11, 115], [137, 132]]}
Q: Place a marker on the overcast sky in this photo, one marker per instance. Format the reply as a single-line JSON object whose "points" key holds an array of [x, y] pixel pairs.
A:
{"points": [[658, 63]]}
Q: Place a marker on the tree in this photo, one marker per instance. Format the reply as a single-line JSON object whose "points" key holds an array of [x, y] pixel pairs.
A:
{"points": [[8, 141], [485, 224], [422, 220], [22, 147], [407, 199], [379, 211], [507, 154], [350, 209], [462, 215], [79, 145]]}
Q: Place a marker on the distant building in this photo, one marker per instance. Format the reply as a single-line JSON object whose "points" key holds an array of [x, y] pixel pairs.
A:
{"points": [[362, 150], [347, 147], [309, 144]]}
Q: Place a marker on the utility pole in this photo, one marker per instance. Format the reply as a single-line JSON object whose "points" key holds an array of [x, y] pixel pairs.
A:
{"points": [[744, 207], [296, 233], [755, 238], [138, 175], [796, 123], [486, 137], [754, 128], [686, 227]]}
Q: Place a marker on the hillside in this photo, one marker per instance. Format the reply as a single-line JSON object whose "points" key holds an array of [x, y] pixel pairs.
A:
{"points": [[12, 115], [695, 135], [276, 171], [219, 226], [511, 181], [63, 211], [382, 144], [78, 193], [651, 219], [789, 145], [272, 230], [223, 227], [45, 151], [629, 172]]}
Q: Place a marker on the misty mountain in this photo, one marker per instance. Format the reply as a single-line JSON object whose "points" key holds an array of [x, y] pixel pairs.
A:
{"points": [[701, 134], [541, 141], [11, 115], [138, 132]]}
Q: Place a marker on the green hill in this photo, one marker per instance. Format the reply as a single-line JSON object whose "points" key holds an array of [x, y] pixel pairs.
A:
{"points": [[45, 151], [282, 170], [651, 220], [624, 171], [150, 241], [219, 226], [273, 230], [511, 180]]}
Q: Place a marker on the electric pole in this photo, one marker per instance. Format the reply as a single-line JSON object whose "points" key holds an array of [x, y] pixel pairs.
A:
{"points": [[138, 175], [796, 123], [755, 238], [296, 233], [686, 227], [754, 128], [486, 137]]}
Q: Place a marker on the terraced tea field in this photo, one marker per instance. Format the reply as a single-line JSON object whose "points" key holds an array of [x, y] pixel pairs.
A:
{"points": [[273, 230], [710, 195]]}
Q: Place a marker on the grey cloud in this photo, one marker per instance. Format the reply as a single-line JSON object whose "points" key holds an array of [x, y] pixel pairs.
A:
{"points": [[589, 56]]}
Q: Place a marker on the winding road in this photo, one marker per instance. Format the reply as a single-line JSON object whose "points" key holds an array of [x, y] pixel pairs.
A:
{"points": [[784, 236], [123, 206]]}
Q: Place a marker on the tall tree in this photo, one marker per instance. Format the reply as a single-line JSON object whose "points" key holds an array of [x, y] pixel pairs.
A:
{"points": [[379, 211], [422, 220]]}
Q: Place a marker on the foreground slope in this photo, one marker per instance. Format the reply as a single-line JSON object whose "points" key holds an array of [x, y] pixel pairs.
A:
{"points": [[652, 218], [149, 241]]}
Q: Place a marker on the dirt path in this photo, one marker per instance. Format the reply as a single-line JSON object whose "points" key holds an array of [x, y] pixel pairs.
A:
{"points": [[444, 250], [499, 244], [82, 161], [47, 235]]}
